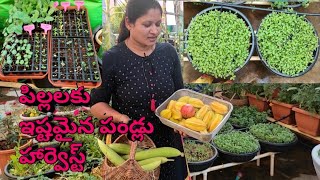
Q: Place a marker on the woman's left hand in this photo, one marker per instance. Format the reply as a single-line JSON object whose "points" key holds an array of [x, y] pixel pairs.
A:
{"points": [[181, 133]]}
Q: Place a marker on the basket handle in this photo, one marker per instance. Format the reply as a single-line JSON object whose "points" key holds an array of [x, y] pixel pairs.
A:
{"points": [[132, 149]]}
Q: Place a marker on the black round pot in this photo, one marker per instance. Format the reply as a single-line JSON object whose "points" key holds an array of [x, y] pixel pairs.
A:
{"points": [[265, 63], [202, 165], [240, 15], [278, 147], [49, 174], [232, 157]]}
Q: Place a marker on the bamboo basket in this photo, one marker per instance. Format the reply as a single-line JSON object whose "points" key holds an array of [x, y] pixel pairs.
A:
{"points": [[130, 169]]}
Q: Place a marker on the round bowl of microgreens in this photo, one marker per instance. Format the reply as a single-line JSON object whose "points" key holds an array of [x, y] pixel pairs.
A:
{"points": [[199, 155], [237, 146], [287, 44], [273, 137], [220, 41]]}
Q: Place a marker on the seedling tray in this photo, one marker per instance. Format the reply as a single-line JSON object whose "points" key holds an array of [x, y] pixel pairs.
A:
{"points": [[37, 67], [38, 61], [72, 23], [74, 62]]}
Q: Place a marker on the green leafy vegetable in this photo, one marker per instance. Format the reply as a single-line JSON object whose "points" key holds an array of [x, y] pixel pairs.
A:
{"points": [[218, 43], [273, 133]]}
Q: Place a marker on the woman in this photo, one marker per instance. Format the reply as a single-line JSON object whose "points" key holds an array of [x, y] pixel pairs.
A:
{"points": [[138, 75]]}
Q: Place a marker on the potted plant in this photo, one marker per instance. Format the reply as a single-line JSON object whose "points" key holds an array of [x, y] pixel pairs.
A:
{"points": [[280, 4], [9, 139], [287, 44], [315, 154], [256, 97], [282, 105], [15, 170], [244, 117], [237, 146], [199, 155], [273, 137], [31, 114], [220, 41], [307, 115], [234, 93]]}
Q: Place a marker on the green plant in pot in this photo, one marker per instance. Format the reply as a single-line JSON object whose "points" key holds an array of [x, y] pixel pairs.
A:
{"points": [[244, 117], [9, 139], [273, 137], [32, 113], [219, 41], [237, 146], [17, 170], [234, 93], [199, 155], [287, 44], [256, 97], [282, 105], [280, 4], [307, 115]]}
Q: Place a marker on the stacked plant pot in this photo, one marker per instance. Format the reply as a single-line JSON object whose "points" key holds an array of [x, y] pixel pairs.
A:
{"points": [[74, 61]]}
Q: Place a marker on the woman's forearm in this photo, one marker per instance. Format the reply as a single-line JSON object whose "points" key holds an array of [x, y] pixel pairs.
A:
{"points": [[102, 110]]}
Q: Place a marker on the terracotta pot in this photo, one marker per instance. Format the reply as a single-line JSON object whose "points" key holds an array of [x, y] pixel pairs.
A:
{"points": [[280, 109], [307, 122], [260, 103], [237, 102], [5, 154]]}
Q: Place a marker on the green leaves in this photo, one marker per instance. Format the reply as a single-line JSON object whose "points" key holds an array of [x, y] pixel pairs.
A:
{"points": [[308, 97], [247, 116], [237, 142], [218, 43], [287, 43], [273, 133]]}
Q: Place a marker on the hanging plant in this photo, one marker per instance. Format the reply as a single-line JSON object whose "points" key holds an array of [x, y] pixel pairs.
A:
{"points": [[287, 44], [220, 41]]}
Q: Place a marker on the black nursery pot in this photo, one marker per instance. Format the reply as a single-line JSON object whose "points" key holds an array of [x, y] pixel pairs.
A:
{"points": [[49, 174], [202, 165], [310, 65], [240, 15], [232, 157], [278, 147]]}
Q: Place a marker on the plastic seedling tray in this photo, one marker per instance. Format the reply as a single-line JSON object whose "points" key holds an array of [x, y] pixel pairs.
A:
{"points": [[37, 66], [74, 60], [71, 23]]}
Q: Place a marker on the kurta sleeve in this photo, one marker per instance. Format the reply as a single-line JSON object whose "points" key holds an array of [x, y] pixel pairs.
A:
{"points": [[104, 92], [177, 73]]}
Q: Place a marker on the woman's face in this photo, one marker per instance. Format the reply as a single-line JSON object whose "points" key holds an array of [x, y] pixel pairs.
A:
{"points": [[147, 28]]}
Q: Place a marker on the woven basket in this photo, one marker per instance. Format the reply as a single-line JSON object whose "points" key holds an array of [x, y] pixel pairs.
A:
{"points": [[130, 169]]}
